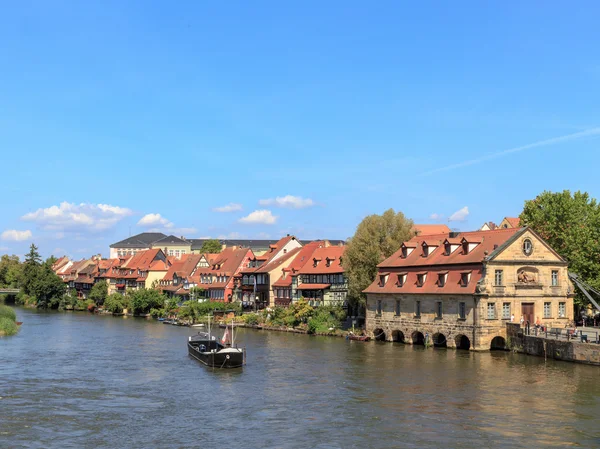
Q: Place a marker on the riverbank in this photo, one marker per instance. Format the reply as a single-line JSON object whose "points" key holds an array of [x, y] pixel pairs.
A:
{"points": [[8, 321]]}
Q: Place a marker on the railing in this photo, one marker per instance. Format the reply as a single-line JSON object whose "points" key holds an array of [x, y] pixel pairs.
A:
{"points": [[584, 335]]}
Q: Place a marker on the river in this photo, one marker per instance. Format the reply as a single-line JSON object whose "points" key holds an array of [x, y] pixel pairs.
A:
{"points": [[76, 380]]}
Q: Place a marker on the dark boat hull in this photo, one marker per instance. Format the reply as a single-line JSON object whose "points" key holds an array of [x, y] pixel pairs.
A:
{"points": [[218, 356], [358, 337]]}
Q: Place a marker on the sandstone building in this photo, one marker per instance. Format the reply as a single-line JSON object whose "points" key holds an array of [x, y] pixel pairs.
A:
{"points": [[460, 289]]}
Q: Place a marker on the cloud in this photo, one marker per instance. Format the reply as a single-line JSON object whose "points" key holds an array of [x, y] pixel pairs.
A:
{"points": [[158, 223], [231, 235], [263, 216], [289, 201], [155, 220], [12, 235], [4, 248], [541, 143], [436, 216], [231, 207], [78, 217], [460, 215]]}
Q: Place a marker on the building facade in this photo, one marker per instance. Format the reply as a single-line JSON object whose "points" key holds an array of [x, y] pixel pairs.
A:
{"points": [[460, 289]]}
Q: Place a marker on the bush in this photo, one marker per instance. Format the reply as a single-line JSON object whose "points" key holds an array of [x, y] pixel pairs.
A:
{"points": [[114, 303], [250, 318], [158, 313], [8, 312], [324, 318], [8, 326]]}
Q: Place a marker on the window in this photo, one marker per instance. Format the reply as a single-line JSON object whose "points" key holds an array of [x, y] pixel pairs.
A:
{"points": [[554, 278], [562, 309], [491, 311], [379, 307], [171, 252], [438, 309], [400, 282], [404, 252], [547, 310], [464, 279], [506, 311], [527, 247], [417, 308], [382, 280], [397, 307], [420, 280], [425, 250], [183, 252], [465, 247], [441, 280], [499, 277], [447, 249], [462, 312]]}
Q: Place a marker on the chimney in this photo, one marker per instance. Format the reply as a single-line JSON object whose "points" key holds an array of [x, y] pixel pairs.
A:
{"points": [[453, 234]]}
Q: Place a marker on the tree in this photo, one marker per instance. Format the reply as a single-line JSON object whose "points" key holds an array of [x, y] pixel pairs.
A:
{"points": [[31, 269], [570, 224], [145, 299], [376, 238], [10, 271], [47, 288], [99, 292], [212, 246]]}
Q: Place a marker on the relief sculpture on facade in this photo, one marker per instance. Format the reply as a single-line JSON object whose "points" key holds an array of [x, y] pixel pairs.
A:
{"points": [[527, 276]]}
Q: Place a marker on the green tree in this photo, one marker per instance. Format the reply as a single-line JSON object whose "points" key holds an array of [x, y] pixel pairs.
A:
{"points": [[10, 271], [570, 224], [114, 303], [31, 269], [145, 299], [47, 288], [376, 238], [212, 246], [99, 292]]}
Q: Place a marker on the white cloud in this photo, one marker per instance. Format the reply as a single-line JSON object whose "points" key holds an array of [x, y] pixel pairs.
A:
{"points": [[289, 201], [263, 216], [12, 235], [78, 217], [4, 248], [460, 215], [436, 216], [158, 223], [231, 207], [155, 220], [231, 235]]}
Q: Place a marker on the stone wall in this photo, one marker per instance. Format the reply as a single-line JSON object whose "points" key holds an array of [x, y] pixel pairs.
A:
{"points": [[569, 351]]}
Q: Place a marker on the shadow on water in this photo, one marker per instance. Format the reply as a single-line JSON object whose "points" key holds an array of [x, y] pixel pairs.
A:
{"points": [[79, 380]]}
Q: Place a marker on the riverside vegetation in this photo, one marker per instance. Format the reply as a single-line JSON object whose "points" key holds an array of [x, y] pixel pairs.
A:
{"points": [[8, 321]]}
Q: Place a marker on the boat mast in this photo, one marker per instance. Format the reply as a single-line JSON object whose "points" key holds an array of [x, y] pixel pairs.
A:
{"points": [[209, 327]]}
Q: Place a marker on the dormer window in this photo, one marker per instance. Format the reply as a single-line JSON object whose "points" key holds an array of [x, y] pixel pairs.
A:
{"points": [[425, 250], [401, 279], [441, 279], [465, 247], [421, 278], [465, 277], [328, 262], [447, 249], [404, 252], [383, 277]]}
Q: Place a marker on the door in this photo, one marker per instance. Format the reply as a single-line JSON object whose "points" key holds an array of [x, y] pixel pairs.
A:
{"points": [[527, 312]]}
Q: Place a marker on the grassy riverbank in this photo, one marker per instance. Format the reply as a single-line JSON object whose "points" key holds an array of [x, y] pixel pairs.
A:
{"points": [[8, 321]]}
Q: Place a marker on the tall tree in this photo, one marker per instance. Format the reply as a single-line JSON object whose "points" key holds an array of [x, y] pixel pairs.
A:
{"points": [[10, 271], [376, 237], [212, 246], [570, 223], [31, 269]]}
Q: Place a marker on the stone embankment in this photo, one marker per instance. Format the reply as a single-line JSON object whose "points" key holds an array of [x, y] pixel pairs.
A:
{"points": [[569, 351]]}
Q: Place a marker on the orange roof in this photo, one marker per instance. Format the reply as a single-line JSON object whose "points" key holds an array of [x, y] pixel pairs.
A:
{"points": [[452, 283], [143, 260], [184, 267], [430, 229], [489, 241], [513, 221], [332, 253]]}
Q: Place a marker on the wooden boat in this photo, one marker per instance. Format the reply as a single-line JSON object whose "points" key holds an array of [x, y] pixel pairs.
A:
{"points": [[205, 348], [358, 337], [19, 323]]}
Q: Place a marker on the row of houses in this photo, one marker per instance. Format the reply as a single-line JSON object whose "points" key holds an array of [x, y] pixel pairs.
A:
{"points": [[285, 270]]}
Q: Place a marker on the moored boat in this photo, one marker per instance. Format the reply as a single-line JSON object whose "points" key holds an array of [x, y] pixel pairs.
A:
{"points": [[351, 336], [205, 348]]}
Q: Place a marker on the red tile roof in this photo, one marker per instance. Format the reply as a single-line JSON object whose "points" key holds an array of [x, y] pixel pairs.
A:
{"points": [[301, 258], [333, 253], [429, 229], [513, 221]]}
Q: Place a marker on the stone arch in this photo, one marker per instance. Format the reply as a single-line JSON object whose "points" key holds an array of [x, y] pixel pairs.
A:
{"points": [[462, 342], [498, 344], [379, 334], [418, 338], [439, 340], [398, 336]]}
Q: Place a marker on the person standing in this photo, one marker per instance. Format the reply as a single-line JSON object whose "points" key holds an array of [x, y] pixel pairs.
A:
{"points": [[522, 320], [512, 318]]}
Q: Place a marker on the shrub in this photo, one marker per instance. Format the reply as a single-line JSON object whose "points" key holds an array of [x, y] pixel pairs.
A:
{"points": [[157, 313], [324, 318], [8, 326], [251, 319], [114, 303], [8, 312]]}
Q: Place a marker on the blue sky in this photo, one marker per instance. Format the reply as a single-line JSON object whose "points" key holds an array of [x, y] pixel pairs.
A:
{"points": [[305, 117]]}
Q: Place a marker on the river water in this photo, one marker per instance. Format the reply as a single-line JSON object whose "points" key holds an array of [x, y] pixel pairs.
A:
{"points": [[76, 380]]}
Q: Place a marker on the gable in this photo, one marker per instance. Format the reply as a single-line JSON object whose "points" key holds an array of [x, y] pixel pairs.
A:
{"points": [[514, 250]]}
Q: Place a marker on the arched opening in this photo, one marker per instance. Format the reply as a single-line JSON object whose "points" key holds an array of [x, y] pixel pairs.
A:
{"points": [[498, 344], [379, 334], [398, 336], [418, 338], [439, 340], [462, 342]]}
